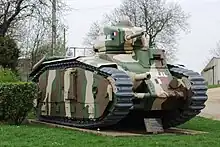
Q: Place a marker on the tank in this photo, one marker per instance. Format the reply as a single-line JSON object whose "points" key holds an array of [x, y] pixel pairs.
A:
{"points": [[125, 81]]}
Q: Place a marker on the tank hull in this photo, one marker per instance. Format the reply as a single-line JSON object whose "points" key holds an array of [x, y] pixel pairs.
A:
{"points": [[80, 95], [95, 92]]}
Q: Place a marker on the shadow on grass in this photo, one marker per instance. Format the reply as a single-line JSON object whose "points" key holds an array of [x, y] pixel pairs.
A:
{"points": [[198, 124]]}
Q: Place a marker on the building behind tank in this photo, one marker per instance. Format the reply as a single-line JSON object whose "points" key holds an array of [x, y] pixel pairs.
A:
{"points": [[24, 67], [211, 72]]}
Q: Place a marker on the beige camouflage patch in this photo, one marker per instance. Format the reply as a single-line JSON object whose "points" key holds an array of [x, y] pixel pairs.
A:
{"points": [[51, 78], [89, 99], [124, 58], [66, 92], [112, 81]]}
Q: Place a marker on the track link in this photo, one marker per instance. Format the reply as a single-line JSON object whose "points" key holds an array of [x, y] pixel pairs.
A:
{"points": [[195, 103], [173, 118], [122, 100]]}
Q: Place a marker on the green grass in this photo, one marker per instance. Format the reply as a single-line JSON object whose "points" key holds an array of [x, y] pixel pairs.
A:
{"points": [[213, 86], [35, 135]]}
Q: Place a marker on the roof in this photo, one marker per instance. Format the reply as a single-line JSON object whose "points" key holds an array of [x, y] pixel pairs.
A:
{"points": [[209, 66]]}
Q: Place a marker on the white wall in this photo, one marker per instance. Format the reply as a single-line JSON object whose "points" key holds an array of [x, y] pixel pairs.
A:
{"points": [[218, 71], [208, 75]]}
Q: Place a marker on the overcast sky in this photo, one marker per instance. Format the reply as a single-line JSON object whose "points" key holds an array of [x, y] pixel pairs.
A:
{"points": [[193, 48]]}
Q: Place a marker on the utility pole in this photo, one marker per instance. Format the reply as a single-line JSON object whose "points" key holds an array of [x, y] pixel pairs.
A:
{"points": [[54, 27], [64, 39], [74, 52]]}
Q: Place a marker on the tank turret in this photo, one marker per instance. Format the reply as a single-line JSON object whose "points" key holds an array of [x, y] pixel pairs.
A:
{"points": [[123, 37]]}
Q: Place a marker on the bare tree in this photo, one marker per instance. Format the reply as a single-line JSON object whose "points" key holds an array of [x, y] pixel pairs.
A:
{"points": [[15, 11], [33, 30], [216, 51], [36, 39], [162, 20], [92, 34]]}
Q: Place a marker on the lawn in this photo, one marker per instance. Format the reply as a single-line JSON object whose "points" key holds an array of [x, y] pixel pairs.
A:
{"points": [[35, 135], [213, 86]]}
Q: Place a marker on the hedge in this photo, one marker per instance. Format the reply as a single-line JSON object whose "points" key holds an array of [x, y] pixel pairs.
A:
{"points": [[16, 100], [6, 75]]}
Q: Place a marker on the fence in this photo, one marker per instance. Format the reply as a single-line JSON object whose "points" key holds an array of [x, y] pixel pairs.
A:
{"points": [[24, 63], [79, 51]]}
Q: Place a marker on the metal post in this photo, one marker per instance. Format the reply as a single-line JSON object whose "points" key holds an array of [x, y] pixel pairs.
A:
{"points": [[64, 39], [213, 74], [74, 52], [54, 31]]}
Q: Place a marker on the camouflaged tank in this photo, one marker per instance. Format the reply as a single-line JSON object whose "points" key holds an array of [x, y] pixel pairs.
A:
{"points": [[125, 81]]}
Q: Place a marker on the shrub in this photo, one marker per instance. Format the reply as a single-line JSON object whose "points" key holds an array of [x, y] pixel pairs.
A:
{"points": [[16, 100], [9, 53], [6, 75]]}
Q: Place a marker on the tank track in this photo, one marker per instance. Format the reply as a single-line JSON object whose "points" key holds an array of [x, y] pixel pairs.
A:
{"points": [[117, 111], [195, 103], [172, 118]]}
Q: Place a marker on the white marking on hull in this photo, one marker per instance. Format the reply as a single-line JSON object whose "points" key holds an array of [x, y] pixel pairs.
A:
{"points": [[159, 90], [109, 91], [51, 77], [66, 92], [89, 99], [159, 81]]}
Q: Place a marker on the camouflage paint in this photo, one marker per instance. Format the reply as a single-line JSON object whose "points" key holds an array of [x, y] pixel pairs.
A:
{"points": [[75, 101], [67, 82], [80, 93], [51, 78], [133, 56], [89, 99]]}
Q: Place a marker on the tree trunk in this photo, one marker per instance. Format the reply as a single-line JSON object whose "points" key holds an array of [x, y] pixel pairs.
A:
{"points": [[4, 28], [150, 41]]}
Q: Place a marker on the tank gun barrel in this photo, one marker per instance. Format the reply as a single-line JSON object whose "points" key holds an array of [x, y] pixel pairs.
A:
{"points": [[129, 37]]}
